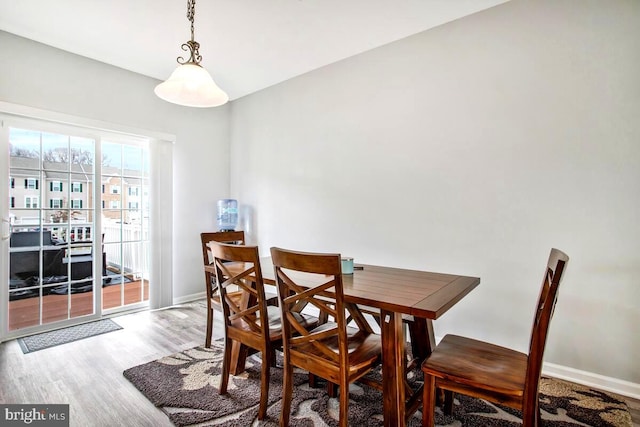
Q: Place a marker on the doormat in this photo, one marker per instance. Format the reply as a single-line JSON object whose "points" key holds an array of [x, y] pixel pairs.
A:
{"points": [[66, 335]]}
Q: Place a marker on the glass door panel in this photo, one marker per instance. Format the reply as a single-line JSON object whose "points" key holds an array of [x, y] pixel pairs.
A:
{"points": [[125, 219], [51, 217]]}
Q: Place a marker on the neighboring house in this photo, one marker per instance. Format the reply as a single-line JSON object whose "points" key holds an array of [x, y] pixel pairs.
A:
{"points": [[67, 196]]}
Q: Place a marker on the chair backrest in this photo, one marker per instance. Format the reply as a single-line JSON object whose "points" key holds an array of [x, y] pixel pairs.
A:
{"points": [[323, 290], [219, 236], [216, 236], [227, 258], [543, 314]]}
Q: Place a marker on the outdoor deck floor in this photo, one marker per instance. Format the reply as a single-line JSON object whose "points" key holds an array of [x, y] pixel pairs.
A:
{"points": [[26, 312]]}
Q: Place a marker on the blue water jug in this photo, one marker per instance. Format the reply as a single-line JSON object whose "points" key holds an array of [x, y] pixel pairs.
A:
{"points": [[227, 214]]}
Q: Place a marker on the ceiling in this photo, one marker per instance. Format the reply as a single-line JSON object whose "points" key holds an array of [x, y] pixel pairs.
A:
{"points": [[246, 45]]}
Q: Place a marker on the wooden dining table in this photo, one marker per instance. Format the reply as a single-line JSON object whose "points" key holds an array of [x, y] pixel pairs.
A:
{"points": [[395, 294]]}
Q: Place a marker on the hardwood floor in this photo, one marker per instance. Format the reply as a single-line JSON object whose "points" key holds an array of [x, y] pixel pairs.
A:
{"points": [[634, 409], [87, 374]]}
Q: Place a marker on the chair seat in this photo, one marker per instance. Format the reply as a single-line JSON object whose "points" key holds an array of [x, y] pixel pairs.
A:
{"points": [[275, 322], [271, 299], [470, 362], [215, 299], [363, 349]]}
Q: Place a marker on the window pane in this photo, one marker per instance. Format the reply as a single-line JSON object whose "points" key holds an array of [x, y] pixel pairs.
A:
{"points": [[31, 202], [59, 234], [111, 158], [133, 259], [55, 216], [114, 257], [55, 304], [133, 161], [131, 230], [55, 152], [24, 148], [111, 225], [82, 303], [27, 312], [24, 220], [82, 154], [81, 231]]}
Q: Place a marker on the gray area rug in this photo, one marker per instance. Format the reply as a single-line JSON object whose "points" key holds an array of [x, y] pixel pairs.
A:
{"points": [[66, 335], [185, 387]]}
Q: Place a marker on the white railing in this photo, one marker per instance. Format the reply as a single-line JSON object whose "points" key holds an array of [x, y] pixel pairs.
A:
{"points": [[78, 229], [134, 256], [134, 259]]}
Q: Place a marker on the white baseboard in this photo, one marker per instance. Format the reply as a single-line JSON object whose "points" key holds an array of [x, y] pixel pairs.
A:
{"points": [[189, 298], [589, 379]]}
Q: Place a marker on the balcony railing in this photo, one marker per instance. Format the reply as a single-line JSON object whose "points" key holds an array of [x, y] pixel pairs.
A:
{"points": [[134, 260], [127, 257]]}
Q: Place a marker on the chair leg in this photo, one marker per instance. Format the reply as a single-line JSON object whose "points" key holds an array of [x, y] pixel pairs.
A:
{"points": [[448, 402], [531, 416], [344, 404], [538, 416], [264, 383], [287, 392], [313, 380], [323, 318], [429, 401], [272, 357], [226, 365], [332, 389], [207, 340]]}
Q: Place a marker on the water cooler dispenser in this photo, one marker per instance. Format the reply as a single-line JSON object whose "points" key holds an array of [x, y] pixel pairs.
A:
{"points": [[227, 214]]}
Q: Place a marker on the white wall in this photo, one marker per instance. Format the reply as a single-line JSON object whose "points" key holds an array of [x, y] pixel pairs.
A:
{"points": [[472, 148], [36, 75]]}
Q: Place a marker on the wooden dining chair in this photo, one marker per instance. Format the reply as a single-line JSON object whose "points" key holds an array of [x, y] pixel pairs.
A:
{"points": [[248, 320], [332, 351], [213, 299], [487, 371]]}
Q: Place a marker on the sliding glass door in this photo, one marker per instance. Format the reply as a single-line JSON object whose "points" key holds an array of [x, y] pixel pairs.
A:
{"points": [[125, 224], [77, 218]]}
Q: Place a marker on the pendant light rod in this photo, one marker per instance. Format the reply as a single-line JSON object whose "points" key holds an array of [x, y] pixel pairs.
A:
{"points": [[190, 84], [192, 46]]}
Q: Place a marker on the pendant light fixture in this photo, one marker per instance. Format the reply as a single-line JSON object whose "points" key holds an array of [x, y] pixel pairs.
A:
{"points": [[190, 84]]}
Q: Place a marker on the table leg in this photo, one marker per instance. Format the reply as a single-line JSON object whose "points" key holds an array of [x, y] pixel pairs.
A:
{"points": [[422, 344], [239, 354], [393, 374], [423, 339]]}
